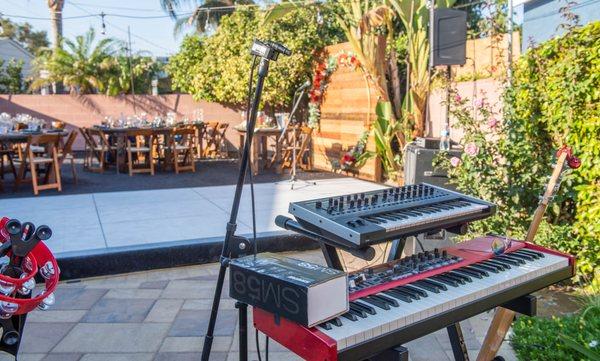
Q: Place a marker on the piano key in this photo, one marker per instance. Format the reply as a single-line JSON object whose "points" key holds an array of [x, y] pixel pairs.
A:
{"points": [[359, 313], [414, 289], [483, 267], [499, 265], [446, 280], [534, 253], [411, 294], [375, 302], [503, 261], [325, 325], [365, 308], [391, 301], [398, 295], [508, 255], [426, 286], [336, 322], [469, 272], [350, 316], [462, 279], [436, 283], [524, 257], [507, 260]]}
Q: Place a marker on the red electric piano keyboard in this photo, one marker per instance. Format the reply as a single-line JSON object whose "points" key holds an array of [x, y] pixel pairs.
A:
{"points": [[397, 302]]}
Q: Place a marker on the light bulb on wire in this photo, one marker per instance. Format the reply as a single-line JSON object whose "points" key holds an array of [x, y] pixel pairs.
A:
{"points": [[102, 15]]}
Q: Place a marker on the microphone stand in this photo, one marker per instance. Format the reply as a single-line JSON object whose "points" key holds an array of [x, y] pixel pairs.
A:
{"points": [[296, 103], [242, 244]]}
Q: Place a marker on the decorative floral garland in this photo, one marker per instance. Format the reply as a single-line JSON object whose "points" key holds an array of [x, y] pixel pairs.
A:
{"points": [[322, 74]]}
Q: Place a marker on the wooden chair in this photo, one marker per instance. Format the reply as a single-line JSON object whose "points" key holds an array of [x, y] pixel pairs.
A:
{"points": [[183, 144], [6, 153], [66, 153], [215, 139], [142, 148], [300, 141], [96, 147], [49, 159]]}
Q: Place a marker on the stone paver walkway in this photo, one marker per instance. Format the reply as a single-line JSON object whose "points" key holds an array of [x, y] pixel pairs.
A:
{"points": [[162, 315]]}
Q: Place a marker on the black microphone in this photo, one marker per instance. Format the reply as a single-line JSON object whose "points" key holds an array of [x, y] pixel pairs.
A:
{"points": [[279, 47], [305, 85]]}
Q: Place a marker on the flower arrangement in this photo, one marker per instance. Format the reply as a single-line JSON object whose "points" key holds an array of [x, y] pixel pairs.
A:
{"points": [[319, 84], [355, 157]]}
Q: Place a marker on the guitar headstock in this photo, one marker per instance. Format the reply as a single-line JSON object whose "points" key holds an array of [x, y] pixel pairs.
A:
{"points": [[565, 160]]}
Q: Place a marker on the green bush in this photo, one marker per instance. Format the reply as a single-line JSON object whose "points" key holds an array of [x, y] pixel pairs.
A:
{"points": [[568, 338], [554, 100], [216, 67]]}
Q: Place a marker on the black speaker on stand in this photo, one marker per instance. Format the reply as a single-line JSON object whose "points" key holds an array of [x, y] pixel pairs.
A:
{"points": [[449, 39]]}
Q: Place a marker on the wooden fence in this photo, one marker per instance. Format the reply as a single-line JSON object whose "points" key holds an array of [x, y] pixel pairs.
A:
{"points": [[347, 110]]}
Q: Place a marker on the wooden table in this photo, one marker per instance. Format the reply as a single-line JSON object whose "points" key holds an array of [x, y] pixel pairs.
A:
{"points": [[22, 137], [120, 135], [259, 148]]}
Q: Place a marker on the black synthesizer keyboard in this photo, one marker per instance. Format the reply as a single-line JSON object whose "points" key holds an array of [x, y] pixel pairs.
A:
{"points": [[360, 219]]}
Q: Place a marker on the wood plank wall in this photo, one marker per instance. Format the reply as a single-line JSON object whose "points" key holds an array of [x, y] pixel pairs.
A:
{"points": [[346, 113]]}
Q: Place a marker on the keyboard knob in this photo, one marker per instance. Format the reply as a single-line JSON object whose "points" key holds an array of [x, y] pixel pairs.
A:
{"points": [[352, 204], [329, 202], [318, 204], [436, 252], [366, 202], [444, 254], [359, 203]]}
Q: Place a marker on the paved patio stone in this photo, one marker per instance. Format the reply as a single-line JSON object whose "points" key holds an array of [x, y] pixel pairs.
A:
{"points": [[117, 357], [76, 298], [116, 310], [194, 344], [133, 293], [154, 285], [195, 323], [164, 310], [42, 337], [56, 316], [63, 357], [189, 356], [105, 337]]}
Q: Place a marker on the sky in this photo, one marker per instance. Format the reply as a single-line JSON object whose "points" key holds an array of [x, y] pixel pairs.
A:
{"points": [[154, 35]]}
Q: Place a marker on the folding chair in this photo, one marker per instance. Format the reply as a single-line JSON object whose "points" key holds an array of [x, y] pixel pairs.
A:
{"points": [[6, 153], [208, 134], [182, 144], [96, 147], [301, 136], [143, 148], [66, 153], [49, 159]]}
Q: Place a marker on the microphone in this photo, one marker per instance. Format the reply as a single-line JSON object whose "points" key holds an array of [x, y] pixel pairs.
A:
{"points": [[305, 85], [279, 47]]}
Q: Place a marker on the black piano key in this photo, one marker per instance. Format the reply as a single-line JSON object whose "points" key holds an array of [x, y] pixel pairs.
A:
{"points": [[336, 322], [458, 278], [507, 260], [525, 257], [362, 307], [498, 267], [406, 292], [533, 253], [469, 272], [484, 271], [509, 263], [428, 286], [350, 316], [446, 280], [376, 302], [398, 295], [357, 312], [391, 301], [417, 290], [465, 276], [373, 220], [498, 262], [325, 325], [484, 267], [516, 259], [436, 283]]}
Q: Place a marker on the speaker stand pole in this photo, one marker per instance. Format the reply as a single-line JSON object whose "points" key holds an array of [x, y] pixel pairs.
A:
{"points": [[263, 69]]}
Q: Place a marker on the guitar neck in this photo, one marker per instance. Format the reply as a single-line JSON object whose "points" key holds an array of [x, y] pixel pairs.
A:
{"points": [[541, 209]]}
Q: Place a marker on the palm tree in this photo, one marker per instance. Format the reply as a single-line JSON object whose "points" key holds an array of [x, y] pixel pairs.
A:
{"points": [[56, 7], [202, 18], [79, 64]]}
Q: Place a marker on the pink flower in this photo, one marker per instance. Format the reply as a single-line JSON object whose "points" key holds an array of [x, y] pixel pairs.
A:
{"points": [[479, 103], [471, 149], [455, 161], [457, 98], [492, 122]]}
